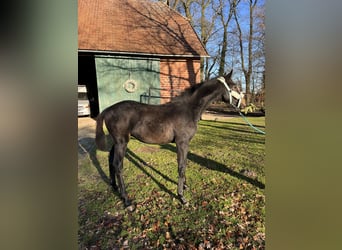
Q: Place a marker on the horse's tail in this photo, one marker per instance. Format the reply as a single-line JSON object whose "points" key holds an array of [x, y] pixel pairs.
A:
{"points": [[100, 138]]}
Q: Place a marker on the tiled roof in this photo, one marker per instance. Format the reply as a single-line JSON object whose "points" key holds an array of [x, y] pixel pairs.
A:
{"points": [[135, 26]]}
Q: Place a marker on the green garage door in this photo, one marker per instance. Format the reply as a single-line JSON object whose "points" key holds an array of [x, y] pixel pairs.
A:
{"points": [[124, 78]]}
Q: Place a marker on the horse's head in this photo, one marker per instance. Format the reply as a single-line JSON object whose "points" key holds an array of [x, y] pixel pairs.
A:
{"points": [[232, 93]]}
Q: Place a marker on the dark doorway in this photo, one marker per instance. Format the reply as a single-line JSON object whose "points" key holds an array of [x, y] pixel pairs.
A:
{"points": [[87, 76]]}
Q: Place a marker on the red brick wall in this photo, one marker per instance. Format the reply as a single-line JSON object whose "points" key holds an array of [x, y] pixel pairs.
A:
{"points": [[178, 74]]}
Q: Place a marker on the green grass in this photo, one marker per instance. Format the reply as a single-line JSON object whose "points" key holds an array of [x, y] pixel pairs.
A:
{"points": [[226, 179]]}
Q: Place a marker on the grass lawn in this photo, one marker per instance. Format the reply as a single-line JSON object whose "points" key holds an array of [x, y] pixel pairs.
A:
{"points": [[226, 191]]}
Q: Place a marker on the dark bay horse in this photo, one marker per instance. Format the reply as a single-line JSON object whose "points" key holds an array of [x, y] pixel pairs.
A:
{"points": [[175, 121]]}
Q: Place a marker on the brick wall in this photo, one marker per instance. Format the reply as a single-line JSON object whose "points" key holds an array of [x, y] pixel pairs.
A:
{"points": [[178, 74]]}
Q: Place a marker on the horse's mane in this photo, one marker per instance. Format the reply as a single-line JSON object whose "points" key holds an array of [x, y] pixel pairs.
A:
{"points": [[187, 93]]}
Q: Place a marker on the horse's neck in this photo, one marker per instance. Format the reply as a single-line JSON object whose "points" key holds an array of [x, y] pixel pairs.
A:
{"points": [[201, 99]]}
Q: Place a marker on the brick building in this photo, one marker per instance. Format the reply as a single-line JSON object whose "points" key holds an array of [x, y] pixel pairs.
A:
{"points": [[135, 49]]}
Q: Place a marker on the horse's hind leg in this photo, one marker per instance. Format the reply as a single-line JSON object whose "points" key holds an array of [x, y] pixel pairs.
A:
{"points": [[112, 169], [119, 154]]}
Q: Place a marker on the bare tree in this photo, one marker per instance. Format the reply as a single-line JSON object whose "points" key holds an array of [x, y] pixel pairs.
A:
{"points": [[186, 6], [259, 53], [229, 38], [199, 13], [246, 69], [225, 19], [172, 3]]}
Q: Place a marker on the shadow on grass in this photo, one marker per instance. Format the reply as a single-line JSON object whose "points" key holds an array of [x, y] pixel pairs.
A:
{"points": [[86, 146], [213, 165], [97, 164], [141, 164], [138, 162], [247, 131], [243, 124], [243, 128], [98, 167]]}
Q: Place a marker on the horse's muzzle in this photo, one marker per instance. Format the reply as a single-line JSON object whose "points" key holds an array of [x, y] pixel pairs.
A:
{"points": [[237, 96]]}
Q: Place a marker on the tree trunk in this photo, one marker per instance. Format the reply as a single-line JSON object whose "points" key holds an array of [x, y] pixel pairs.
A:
{"points": [[225, 24], [247, 71], [223, 53]]}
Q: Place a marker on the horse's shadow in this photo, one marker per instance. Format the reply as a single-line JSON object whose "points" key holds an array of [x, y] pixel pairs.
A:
{"points": [[214, 165], [138, 162], [142, 165], [87, 146], [99, 169]]}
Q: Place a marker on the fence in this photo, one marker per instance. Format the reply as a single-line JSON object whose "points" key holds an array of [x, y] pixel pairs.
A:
{"points": [[155, 94]]}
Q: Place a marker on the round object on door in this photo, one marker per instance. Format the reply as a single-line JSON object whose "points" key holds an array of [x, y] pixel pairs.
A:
{"points": [[130, 86]]}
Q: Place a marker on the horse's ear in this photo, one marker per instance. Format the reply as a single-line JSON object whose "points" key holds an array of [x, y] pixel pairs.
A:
{"points": [[229, 75]]}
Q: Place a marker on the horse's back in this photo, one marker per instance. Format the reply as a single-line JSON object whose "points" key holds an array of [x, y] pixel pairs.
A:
{"points": [[128, 108], [155, 124]]}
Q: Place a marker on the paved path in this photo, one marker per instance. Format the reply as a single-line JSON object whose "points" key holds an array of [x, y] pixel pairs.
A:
{"points": [[86, 127], [86, 136], [214, 116]]}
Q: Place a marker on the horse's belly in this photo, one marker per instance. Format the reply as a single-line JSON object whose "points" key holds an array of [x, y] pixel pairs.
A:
{"points": [[154, 134]]}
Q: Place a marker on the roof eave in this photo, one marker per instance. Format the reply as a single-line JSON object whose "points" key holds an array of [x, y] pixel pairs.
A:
{"points": [[141, 54]]}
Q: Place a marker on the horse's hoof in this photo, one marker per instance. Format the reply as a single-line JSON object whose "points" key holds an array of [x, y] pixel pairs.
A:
{"points": [[113, 185], [183, 200], [127, 201], [129, 206]]}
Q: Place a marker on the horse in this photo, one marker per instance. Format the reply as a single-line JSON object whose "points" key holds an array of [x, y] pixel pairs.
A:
{"points": [[175, 121]]}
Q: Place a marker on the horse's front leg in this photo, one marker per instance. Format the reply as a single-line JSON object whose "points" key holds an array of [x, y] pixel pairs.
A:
{"points": [[182, 152], [119, 154]]}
